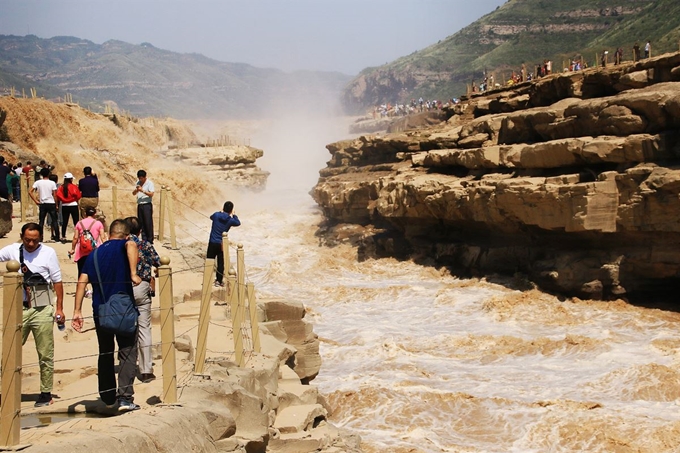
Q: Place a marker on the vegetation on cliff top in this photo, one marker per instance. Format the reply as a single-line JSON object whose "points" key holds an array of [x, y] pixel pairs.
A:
{"points": [[519, 32]]}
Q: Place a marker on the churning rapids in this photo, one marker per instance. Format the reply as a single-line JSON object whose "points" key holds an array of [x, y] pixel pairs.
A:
{"points": [[415, 360]]}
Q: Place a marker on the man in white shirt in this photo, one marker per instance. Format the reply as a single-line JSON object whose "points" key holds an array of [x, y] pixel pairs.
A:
{"points": [[39, 320], [144, 189], [45, 191]]}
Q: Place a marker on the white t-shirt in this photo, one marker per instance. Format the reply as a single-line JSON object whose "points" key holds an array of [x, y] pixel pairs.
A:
{"points": [[42, 260], [147, 187], [45, 189]]}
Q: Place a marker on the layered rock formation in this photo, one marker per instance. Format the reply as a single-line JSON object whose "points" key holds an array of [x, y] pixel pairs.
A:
{"points": [[572, 180], [232, 163]]}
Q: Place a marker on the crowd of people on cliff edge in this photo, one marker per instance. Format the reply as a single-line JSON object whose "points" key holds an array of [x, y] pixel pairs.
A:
{"points": [[545, 68], [119, 266], [57, 201], [390, 110]]}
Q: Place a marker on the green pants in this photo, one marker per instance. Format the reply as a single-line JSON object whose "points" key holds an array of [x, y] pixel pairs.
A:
{"points": [[40, 321]]}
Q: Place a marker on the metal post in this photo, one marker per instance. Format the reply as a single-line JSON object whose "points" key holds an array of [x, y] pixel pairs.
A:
{"points": [[167, 332], [114, 201], [252, 305], [171, 215], [12, 312], [204, 317], [240, 309], [161, 216]]}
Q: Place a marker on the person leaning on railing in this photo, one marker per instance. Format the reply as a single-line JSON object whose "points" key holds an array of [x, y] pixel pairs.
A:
{"points": [[222, 221]]}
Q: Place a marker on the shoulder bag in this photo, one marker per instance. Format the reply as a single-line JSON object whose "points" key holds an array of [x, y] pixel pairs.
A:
{"points": [[118, 314]]}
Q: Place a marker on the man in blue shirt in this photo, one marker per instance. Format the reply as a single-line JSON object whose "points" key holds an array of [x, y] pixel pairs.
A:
{"points": [[222, 221], [117, 260], [89, 187]]}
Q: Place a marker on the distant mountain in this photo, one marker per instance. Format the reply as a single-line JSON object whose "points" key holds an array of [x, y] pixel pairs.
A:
{"points": [[147, 81], [22, 86], [520, 31]]}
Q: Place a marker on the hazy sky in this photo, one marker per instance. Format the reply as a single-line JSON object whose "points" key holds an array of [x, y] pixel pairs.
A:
{"points": [[327, 35]]}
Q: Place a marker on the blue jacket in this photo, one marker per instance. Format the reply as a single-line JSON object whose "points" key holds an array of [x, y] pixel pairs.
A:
{"points": [[221, 223]]}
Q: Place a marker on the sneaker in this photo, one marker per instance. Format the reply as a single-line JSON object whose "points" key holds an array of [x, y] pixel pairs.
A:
{"points": [[88, 294], [219, 284], [45, 399], [147, 377], [126, 406]]}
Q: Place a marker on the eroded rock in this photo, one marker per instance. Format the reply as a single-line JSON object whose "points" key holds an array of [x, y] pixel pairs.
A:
{"points": [[577, 186]]}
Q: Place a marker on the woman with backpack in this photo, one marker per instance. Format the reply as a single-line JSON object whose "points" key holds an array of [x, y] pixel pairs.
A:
{"points": [[89, 234], [68, 194]]}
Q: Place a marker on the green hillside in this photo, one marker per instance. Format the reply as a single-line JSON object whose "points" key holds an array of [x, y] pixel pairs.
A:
{"points": [[519, 32], [147, 81], [22, 86]]}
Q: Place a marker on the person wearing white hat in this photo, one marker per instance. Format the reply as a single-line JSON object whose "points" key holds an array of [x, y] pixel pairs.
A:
{"points": [[68, 194]]}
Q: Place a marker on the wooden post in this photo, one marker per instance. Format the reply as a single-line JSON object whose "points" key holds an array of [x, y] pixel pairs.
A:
{"points": [[29, 187], [233, 299], [171, 215], [161, 216], [227, 264], [114, 201], [204, 317], [235, 320], [167, 332], [12, 313], [23, 182], [252, 305], [240, 309]]}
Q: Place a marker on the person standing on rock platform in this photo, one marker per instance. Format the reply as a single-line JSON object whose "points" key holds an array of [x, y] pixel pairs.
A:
{"points": [[148, 258], [144, 190], [89, 188], [39, 313], [648, 49], [46, 202], [117, 263], [636, 52], [222, 221]]}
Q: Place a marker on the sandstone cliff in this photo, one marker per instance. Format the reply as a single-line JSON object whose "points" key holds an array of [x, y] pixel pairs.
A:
{"points": [[572, 180]]}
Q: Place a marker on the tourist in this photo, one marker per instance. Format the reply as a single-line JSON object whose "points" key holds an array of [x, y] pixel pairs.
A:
{"points": [[68, 195], [45, 190], [4, 172], [38, 312], [143, 292], [144, 190], [89, 188], [648, 50], [222, 221], [117, 263], [95, 228]]}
